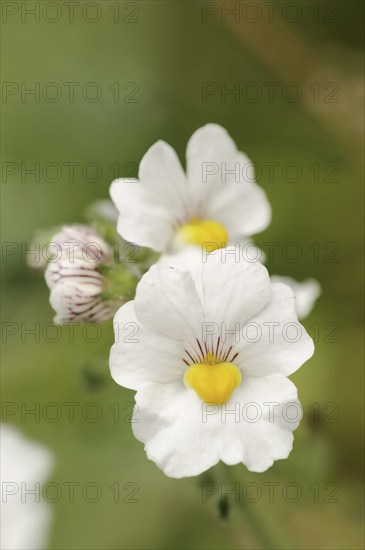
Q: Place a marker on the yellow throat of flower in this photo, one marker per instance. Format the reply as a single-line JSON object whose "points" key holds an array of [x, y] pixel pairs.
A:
{"points": [[204, 232], [213, 382]]}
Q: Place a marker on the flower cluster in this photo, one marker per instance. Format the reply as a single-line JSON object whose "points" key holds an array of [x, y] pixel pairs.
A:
{"points": [[215, 337]]}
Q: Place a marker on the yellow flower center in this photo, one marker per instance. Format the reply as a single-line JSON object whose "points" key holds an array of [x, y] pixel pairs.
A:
{"points": [[204, 232], [213, 382]]}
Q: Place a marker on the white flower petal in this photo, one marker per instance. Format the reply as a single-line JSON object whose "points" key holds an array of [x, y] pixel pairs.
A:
{"points": [[139, 356], [193, 258], [222, 183], [305, 292], [211, 145], [185, 437], [188, 259], [142, 219], [151, 208], [278, 343], [167, 302], [169, 422], [249, 250], [162, 176], [234, 289], [266, 412], [240, 206]]}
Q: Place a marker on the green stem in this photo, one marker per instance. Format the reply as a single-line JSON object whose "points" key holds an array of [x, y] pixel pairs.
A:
{"points": [[255, 522], [120, 283]]}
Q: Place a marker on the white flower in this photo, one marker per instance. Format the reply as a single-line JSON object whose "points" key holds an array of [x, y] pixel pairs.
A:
{"points": [[305, 292], [206, 345], [74, 277], [103, 209], [216, 202], [25, 523]]}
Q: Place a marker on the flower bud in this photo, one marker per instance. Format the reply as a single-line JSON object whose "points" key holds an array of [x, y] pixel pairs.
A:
{"points": [[85, 284], [68, 242]]}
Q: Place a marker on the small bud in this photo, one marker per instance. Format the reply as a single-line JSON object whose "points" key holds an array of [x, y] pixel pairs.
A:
{"points": [[78, 300], [70, 241], [83, 242]]}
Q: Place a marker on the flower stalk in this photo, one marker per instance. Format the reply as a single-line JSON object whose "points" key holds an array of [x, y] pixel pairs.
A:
{"points": [[256, 524], [119, 282]]}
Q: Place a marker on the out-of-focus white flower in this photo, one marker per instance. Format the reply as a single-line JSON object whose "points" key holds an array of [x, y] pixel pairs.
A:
{"points": [[25, 517], [216, 202], [104, 210], [305, 292], [210, 343]]}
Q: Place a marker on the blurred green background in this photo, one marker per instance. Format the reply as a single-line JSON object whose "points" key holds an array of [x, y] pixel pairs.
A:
{"points": [[160, 53]]}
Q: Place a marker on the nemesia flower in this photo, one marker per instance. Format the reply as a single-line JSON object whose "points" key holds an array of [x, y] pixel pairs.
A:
{"points": [[103, 209], [305, 292], [25, 523], [208, 344], [216, 201]]}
